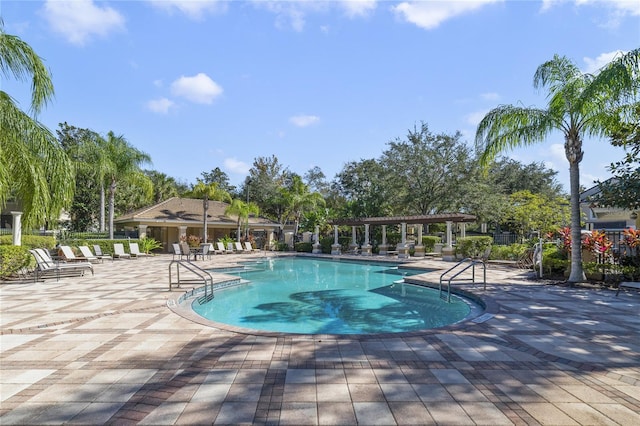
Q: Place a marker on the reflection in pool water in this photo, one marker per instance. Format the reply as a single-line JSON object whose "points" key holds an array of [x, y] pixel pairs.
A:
{"points": [[313, 296]]}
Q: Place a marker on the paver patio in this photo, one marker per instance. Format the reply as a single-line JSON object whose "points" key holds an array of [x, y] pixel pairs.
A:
{"points": [[108, 349]]}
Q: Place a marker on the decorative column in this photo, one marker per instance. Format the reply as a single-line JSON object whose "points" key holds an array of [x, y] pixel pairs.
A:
{"points": [[17, 228], [448, 252], [353, 247], [316, 241], [335, 247], [366, 247], [463, 230], [142, 231], [403, 247], [419, 249], [384, 247]]}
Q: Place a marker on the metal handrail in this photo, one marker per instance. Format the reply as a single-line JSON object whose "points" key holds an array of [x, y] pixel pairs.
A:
{"points": [[471, 264], [203, 276]]}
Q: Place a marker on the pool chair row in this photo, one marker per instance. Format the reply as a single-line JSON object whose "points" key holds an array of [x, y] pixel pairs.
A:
{"points": [[182, 250], [47, 266]]}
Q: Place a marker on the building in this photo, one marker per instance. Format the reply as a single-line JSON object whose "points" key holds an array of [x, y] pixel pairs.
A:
{"points": [[179, 218], [605, 218]]}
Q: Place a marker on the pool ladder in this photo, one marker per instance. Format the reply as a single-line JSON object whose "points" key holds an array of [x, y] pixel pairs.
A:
{"points": [[455, 272], [198, 276]]}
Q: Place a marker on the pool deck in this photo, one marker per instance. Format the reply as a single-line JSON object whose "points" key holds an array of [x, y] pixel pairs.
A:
{"points": [[107, 349]]}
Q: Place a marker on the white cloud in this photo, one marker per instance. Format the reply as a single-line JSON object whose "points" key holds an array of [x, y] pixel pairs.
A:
{"points": [[430, 14], [356, 8], [616, 10], [475, 117], [304, 120], [200, 88], [160, 106], [79, 20], [593, 65], [193, 9], [236, 166], [490, 96]]}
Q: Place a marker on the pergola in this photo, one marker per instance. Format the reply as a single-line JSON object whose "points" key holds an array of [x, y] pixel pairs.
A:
{"points": [[403, 249]]}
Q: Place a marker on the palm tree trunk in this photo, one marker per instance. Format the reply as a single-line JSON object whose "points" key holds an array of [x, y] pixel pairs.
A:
{"points": [[112, 202], [102, 200], [577, 273]]}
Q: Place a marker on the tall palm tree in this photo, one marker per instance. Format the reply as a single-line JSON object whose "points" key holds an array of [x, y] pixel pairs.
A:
{"points": [[208, 191], [35, 169], [298, 199], [123, 162], [580, 104], [242, 210]]}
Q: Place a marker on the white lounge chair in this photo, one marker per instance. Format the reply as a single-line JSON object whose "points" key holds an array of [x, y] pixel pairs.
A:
{"points": [[134, 250], [69, 256], [119, 253], [99, 254], [86, 252], [222, 249], [248, 248], [45, 265], [239, 248]]}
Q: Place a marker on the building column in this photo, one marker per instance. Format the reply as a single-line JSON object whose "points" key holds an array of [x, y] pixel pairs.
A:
{"points": [[17, 228], [366, 247], [142, 231], [463, 230], [182, 233], [354, 244], [403, 247], [335, 247], [384, 247]]}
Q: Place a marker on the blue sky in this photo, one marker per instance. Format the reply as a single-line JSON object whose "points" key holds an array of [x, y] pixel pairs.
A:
{"points": [[205, 84]]}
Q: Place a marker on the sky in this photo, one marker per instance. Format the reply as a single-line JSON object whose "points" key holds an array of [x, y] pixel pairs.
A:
{"points": [[203, 84]]}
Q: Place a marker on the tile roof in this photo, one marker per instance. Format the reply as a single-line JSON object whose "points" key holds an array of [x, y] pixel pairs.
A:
{"points": [[177, 209]]}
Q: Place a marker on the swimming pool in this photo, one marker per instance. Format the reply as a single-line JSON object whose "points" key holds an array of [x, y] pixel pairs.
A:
{"points": [[315, 296]]}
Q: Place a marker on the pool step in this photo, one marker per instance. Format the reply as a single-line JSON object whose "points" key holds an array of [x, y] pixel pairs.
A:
{"points": [[206, 298]]}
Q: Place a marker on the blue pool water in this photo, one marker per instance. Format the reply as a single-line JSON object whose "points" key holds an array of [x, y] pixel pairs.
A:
{"points": [[313, 296]]}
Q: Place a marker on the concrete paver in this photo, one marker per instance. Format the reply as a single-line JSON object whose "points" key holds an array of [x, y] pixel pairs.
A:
{"points": [[115, 348]]}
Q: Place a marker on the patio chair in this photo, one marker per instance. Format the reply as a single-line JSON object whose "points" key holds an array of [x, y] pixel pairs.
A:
{"points": [[134, 250], [248, 248], [239, 248], [45, 265], [119, 253], [231, 248], [99, 254], [186, 250], [86, 252], [204, 250], [69, 256], [222, 249]]}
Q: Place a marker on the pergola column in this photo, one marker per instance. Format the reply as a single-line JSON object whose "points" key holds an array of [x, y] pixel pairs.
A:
{"points": [[448, 252], [17, 228], [419, 249], [316, 241], [463, 230], [403, 247], [182, 232], [384, 247], [335, 247], [354, 244], [366, 247]]}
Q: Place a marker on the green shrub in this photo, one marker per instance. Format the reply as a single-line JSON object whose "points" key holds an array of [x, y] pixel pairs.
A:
{"points": [[147, 245], [507, 252], [325, 244], [14, 258], [429, 242], [30, 241], [303, 247], [280, 246], [473, 246]]}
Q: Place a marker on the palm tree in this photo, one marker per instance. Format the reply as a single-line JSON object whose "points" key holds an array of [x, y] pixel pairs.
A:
{"points": [[579, 105], [242, 210], [34, 167], [208, 191], [123, 163], [298, 199]]}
